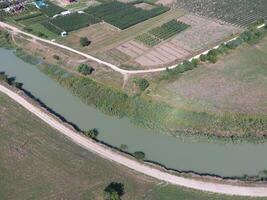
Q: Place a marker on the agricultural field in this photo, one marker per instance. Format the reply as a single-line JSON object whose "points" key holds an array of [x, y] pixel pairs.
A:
{"points": [[239, 12], [169, 29], [236, 83], [74, 21], [148, 39], [52, 9], [202, 34], [123, 15], [38, 163]]}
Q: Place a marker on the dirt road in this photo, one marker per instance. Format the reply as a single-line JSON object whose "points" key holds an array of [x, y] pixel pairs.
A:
{"points": [[114, 156], [114, 67]]}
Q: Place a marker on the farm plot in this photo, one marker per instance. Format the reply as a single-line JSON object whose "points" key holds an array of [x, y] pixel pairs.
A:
{"points": [[148, 39], [239, 12], [30, 18], [163, 54], [52, 9], [123, 15], [132, 48], [203, 33], [169, 29], [74, 21]]}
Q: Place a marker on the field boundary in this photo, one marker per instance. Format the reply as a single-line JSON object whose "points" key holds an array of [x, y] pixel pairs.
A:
{"points": [[115, 156]]}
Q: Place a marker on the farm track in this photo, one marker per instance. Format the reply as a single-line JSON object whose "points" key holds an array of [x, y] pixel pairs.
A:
{"points": [[112, 155], [112, 66]]}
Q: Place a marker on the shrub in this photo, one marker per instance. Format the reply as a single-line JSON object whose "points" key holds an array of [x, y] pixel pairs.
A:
{"points": [[85, 69], [142, 83], [114, 191], [84, 41], [139, 155], [92, 133], [56, 57]]}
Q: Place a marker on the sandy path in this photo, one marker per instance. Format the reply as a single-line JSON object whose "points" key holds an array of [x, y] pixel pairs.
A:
{"points": [[111, 155]]}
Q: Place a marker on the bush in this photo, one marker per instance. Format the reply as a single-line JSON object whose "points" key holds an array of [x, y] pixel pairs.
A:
{"points": [[84, 41], [139, 155], [92, 133], [85, 69], [56, 57], [114, 191], [142, 83]]}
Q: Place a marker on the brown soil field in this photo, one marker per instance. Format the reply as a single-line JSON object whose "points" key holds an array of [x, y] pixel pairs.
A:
{"points": [[203, 33], [162, 54], [132, 48], [144, 6]]}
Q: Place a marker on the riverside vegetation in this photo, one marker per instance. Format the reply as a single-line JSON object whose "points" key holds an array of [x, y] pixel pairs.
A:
{"points": [[144, 111]]}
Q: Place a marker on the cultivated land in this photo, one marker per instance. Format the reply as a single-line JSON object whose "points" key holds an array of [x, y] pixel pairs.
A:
{"points": [[38, 163], [248, 11]]}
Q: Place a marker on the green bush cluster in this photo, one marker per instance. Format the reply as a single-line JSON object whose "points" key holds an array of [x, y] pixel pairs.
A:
{"points": [[123, 15], [179, 69], [142, 83], [85, 69]]}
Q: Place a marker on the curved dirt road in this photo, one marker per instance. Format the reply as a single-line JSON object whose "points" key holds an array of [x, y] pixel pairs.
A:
{"points": [[114, 67], [111, 155]]}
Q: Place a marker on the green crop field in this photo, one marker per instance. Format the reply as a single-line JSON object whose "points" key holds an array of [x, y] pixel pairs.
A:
{"points": [[74, 21], [169, 29], [123, 15], [52, 9], [148, 39]]}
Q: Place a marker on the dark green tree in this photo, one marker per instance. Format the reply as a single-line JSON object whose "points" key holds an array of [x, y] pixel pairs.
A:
{"points": [[85, 69], [84, 41], [114, 191]]}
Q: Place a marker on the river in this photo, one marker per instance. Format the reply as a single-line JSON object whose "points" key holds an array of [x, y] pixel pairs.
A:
{"points": [[201, 157]]}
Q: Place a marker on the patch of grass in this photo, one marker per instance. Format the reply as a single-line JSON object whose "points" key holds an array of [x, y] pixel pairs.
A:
{"points": [[51, 9], [39, 28]]}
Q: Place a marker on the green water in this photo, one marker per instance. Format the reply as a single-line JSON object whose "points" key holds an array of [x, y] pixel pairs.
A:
{"points": [[225, 160]]}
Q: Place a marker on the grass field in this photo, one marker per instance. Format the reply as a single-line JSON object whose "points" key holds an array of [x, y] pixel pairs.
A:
{"points": [[237, 83], [36, 162]]}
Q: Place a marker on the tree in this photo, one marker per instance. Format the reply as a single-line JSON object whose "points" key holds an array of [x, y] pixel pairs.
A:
{"points": [[85, 69], [84, 41], [114, 191], [92, 133], [142, 83], [56, 57], [139, 155]]}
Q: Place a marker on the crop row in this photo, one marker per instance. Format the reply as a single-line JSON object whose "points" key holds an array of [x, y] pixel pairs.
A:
{"points": [[148, 39], [123, 15], [74, 21], [239, 12], [51, 27], [169, 29]]}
